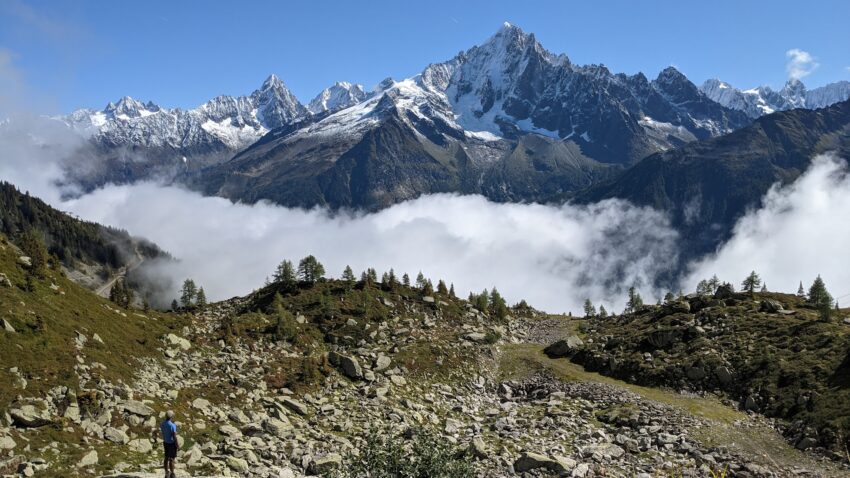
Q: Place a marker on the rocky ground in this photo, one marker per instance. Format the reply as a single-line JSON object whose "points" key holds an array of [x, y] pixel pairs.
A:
{"points": [[504, 405]]}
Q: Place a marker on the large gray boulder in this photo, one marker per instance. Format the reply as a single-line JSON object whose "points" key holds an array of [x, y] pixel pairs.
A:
{"points": [[531, 461], [135, 407], [29, 416], [348, 365], [564, 348]]}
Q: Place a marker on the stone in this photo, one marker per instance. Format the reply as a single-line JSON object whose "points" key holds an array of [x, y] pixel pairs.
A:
{"points": [[806, 443], [88, 459], [140, 445], [137, 408], [200, 404], [476, 337], [6, 443], [296, 406], [603, 451], [531, 461], [237, 464], [176, 341], [770, 306], [479, 449], [29, 416], [230, 431], [7, 326], [695, 373], [725, 291], [115, 435], [677, 307], [564, 348], [97, 338], [750, 403], [428, 299], [723, 374], [4, 280], [398, 380], [25, 261], [580, 471], [382, 363], [349, 365], [278, 428], [326, 464]]}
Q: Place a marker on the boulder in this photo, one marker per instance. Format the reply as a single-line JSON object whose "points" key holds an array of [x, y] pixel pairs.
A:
{"points": [[349, 365], [476, 337], [771, 306], [4, 280], [603, 451], [230, 430], [723, 374], [200, 404], [135, 407], [6, 443], [25, 261], [428, 299], [278, 428], [564, 348], [296, 406], [237, 464], [531, 461], [140, 445], [88, 459], [677, 307], [7, 326], [806, 443], [176, 341], [479, 449], [382, 363], [29, 416], [115, 435], [695, 373], [326, 464], [725, 291]]}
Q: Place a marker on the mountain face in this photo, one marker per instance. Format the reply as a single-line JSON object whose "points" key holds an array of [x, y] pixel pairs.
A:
{"points": [[706, 186], [131, 140], [763, 100], [341, 95], [506, 119]]}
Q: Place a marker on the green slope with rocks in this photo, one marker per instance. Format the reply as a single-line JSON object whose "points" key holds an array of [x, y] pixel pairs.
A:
{"points": [[334, 377]]}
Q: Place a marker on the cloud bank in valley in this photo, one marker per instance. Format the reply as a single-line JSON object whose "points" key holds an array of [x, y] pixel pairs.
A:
{"points": [[800, 231], [554, 257]]}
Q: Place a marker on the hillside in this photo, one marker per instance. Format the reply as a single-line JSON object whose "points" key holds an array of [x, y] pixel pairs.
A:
{"points": [[339, 376], [706, 186], [768, 353], [89, 252]]}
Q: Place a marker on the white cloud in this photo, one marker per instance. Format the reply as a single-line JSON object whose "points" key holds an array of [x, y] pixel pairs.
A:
{"points": [[801, 231], [799, 63], [554, 257]]}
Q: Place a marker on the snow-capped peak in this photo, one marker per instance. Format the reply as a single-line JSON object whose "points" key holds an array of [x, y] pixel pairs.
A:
{"points": [[764, 100], [341, 94]]}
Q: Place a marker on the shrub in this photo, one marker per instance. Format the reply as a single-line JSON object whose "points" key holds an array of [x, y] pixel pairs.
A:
{"points": [[425, 455]]}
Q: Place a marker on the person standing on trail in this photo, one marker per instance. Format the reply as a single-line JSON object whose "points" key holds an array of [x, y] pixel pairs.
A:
{"points": [[168, 429]]}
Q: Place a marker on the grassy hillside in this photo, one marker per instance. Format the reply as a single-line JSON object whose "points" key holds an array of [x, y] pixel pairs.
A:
{"points": [[788, 364], [47, 320]]}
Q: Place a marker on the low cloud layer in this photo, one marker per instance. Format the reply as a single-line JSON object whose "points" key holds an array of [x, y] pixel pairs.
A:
{"points": [[554, 257], [799, 63], [801, 231]]}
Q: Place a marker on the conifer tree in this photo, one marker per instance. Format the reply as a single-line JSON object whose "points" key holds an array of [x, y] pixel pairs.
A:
{"points": [[821, 298], [373, 275], [393, 280], [669, 297], [635, 301], [385, 279], [801, 293], [763, 287], [310, 270], [187, 294], [441, 288], [452, 291], [32, 245], [482, 300], [174, 305], [751, 283], [201, 298], [703, 288], [589, 309], [428, 289], [348, 275], [602, 312], [420, 280], [498, 307], [285, 275], [405, 280], [713, 284]]}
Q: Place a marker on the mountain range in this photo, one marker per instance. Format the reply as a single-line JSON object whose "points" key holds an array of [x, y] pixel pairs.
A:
{"points": [[506, 119]]}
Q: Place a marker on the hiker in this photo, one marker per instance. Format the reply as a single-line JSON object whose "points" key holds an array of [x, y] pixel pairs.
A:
{"points": [[168, 429]]}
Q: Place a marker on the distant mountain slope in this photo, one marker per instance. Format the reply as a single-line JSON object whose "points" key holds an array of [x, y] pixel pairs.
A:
{"points": [[708, 185], [90, 252], [763, 100]]}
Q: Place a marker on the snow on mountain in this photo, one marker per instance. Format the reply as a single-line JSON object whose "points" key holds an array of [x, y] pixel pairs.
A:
{"points": [[763, 100], [341, 95], [224, 122]]}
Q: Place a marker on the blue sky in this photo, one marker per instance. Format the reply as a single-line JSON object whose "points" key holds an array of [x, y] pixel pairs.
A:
{"points": [[84, 53]]}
